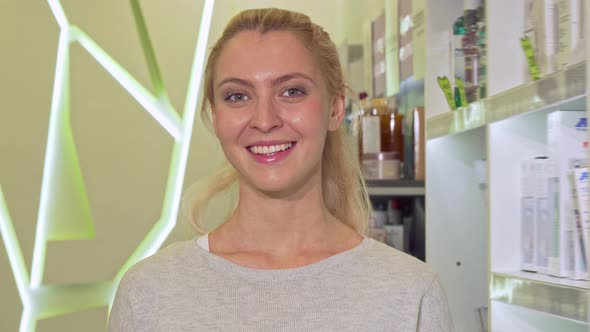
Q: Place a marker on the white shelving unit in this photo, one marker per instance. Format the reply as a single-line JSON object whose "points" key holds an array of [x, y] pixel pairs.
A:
{"points": [[510, 140], [456, 228], [473, 231]]}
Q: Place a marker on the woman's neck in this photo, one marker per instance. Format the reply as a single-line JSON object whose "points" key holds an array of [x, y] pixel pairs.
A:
{"points": [[282, 226]]}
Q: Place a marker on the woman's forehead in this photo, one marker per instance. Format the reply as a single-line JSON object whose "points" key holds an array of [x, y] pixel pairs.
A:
{"points": [[260, 56]]}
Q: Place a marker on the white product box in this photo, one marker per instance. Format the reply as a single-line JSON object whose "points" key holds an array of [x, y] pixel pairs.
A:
{"points": [[545, 23], [543, 225], [527, 235], [395, 236], [377, 234], [579, 184], [570, 32], [566, 146], [527, 220], [529, 29]]}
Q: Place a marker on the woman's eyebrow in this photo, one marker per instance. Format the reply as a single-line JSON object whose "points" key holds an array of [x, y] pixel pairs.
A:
{"points": [[235, 80], [276, 81], [291, 76]]}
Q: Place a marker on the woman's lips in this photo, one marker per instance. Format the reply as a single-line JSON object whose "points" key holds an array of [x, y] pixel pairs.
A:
{"points": [[270, 153]]}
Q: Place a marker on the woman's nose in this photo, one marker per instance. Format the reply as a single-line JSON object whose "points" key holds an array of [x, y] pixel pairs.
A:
{"points": [[266, 115]]}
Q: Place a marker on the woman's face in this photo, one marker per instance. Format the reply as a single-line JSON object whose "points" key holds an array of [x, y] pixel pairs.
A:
{"points": [[272, 110]]}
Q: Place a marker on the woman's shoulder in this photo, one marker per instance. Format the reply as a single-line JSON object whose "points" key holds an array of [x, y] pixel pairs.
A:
{"points": [[389, 263], [386, 255], [171, 261]]}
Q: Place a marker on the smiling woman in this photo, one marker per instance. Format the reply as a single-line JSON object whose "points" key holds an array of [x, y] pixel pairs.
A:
{"points": [[285, 55], [293, 254], [271, 92]]}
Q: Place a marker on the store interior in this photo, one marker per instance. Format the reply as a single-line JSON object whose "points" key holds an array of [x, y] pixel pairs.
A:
{"points": [[469, 118]]}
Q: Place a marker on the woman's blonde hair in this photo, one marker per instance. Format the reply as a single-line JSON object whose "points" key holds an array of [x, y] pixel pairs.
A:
{"points": [[344, 190]]}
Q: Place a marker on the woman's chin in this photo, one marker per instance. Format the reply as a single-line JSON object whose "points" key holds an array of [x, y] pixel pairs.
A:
{"points": [[275, 189], [281, 183]]}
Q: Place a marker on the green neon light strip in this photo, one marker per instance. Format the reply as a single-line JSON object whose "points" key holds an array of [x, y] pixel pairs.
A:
{"points": [[56, 300], [13, 248], [63, 195], [59, 14], [59, 109], [148, 51], [168, 118], [164, 226]]}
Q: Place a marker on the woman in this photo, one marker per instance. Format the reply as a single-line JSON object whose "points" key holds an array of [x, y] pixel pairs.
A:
{"points": [[292, 255]]}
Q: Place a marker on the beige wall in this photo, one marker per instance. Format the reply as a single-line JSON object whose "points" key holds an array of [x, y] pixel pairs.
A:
{"points": [[124, 153]]}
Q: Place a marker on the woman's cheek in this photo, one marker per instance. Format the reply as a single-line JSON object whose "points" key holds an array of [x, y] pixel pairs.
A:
{"points": [[310, 121], [224, 128]]}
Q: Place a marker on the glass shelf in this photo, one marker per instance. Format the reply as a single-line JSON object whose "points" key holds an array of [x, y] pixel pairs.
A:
{"points": [[557, 296], [395, 187], [562, 90]]}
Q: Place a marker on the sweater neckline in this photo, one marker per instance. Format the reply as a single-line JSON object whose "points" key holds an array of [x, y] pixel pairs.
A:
{"points": [[224, 265]]}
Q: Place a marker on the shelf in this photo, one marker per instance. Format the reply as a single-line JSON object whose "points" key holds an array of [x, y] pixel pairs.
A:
{"points": [[395, 187], [557, 296], [562, 90], [507, 317]]}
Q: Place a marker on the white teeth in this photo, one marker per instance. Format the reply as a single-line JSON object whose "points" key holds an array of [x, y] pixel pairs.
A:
{"points": [[270, 149]]}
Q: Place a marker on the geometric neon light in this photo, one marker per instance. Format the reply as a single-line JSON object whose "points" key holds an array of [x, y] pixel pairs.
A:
{"points": [[64, 210]]}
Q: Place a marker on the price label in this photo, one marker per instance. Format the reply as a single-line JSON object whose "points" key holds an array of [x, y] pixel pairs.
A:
{"points": [[462, 95], [446, 88], [529, 53]]}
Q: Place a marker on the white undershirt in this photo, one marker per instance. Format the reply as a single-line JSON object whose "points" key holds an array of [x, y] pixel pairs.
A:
{"points": [[203, 241]]}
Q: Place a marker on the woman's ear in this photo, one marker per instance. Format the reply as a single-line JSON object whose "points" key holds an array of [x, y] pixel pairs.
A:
{"points": [[337, 113]]}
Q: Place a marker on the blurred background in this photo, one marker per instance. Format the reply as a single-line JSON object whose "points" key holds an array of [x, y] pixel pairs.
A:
{"points": [[457, 107], [124, 154]]}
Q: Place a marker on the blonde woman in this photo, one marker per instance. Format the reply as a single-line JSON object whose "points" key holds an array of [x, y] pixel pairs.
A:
{"points": [[292, 256]]}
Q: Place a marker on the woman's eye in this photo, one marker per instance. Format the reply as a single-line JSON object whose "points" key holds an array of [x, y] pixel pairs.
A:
{"points": [[293, 92], [236, 97]]}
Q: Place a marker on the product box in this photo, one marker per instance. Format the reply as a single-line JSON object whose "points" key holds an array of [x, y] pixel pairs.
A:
{"points": [[378, 56], [570, 32], [545, 24], [527, 221], [406, 40], [419, 144], [395, 237], [579, 184], [529, 29], [377, 223], [543, 225], [527, 235], [566, 146]]}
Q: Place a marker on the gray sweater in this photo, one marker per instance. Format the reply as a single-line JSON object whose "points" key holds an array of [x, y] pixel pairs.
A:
{"points": [[371, 287]]}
